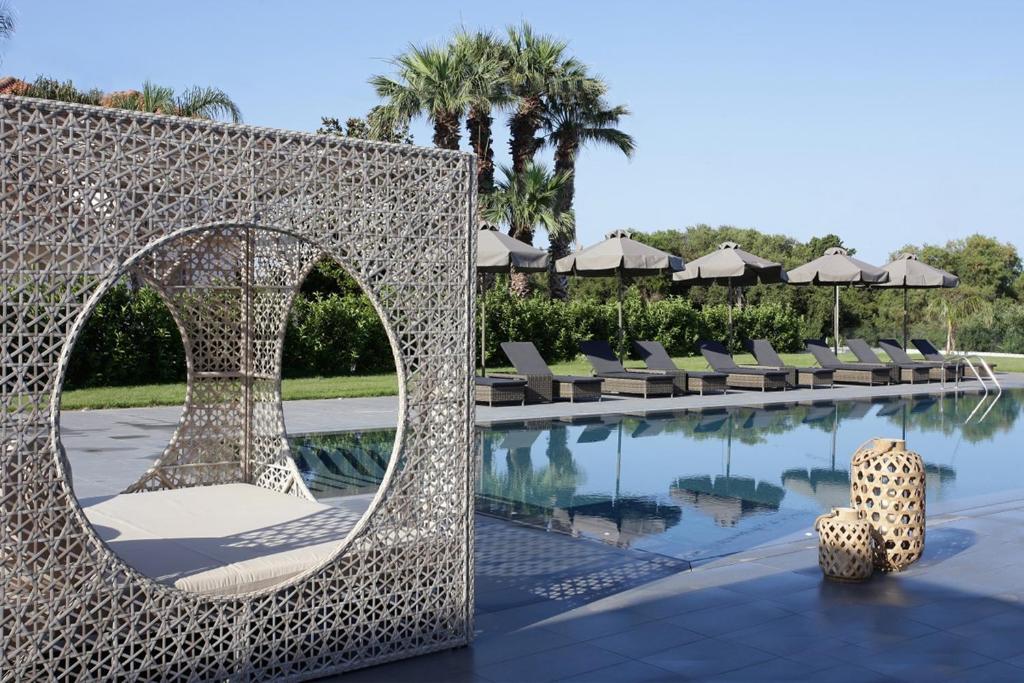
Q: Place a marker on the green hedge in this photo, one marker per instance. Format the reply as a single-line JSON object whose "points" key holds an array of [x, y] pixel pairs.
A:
{"points": [[131, 338], [557, 328]]}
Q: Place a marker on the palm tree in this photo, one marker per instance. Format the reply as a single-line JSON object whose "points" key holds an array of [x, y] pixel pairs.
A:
{"points": [[431, 81], [570, 125], [485, 57], [956, 305], [524, 202], [538, 68], [194, 103]]}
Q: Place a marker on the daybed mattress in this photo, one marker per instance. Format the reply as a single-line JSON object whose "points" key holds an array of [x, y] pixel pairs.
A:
{"points": [[222, 540]]}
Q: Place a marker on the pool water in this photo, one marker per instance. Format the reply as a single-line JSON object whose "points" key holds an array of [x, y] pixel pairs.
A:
{"points": [[696, 485]]}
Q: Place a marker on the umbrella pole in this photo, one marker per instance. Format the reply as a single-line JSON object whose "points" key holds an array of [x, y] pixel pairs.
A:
{"points": [[835, 323], [622, 332], [906, 315], [728, 304], [483, 328]]}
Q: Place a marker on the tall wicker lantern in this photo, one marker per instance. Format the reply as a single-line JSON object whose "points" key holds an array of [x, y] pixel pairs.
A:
{"points": [[887, 488]]}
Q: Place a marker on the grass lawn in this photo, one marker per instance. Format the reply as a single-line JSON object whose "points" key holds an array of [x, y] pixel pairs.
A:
{"points": [[374, 385]]}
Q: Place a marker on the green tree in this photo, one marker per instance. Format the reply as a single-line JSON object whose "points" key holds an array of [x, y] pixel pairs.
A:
{"points": [[46, 88], [525, 202], [538, 67], [570, 124], [376, 126], [432, 82], [195, 103]]}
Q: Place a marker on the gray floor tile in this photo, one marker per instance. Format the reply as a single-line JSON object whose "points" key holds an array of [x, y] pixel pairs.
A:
{"points": [[1000, 636], [996, 672], [646, 639], [584, 625], [851, 673], [551, 665], [772, 670], [626, 672], [706, 658], [955, 611], [785, 636], [931, 657], [505, 646], [715, 621], [671, 605]]}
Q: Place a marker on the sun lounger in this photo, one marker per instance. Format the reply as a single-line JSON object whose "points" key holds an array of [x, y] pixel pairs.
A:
{"points": [[765, 355], [848, 373], [491, 390], [931, 353], [618, 380], [902, 372], [542, 385], [938, 371], [738, 376], [657, 360]]}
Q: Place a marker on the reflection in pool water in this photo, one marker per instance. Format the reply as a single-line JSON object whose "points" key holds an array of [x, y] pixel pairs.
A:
{"points": [[700, 484]]}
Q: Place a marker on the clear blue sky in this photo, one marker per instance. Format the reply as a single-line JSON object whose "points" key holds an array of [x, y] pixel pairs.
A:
{"points": [[883, 122]]}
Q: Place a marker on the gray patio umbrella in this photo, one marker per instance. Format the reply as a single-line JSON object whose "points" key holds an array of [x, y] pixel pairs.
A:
{"points": [[836, 267], [619, 255], [496, 252], [907, 272], [730, 266]]}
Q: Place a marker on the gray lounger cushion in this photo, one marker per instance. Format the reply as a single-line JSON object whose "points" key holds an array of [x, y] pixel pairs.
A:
{"points": [[893, 349], [605, 363], [826, 359], [499, 381], [528, 361], [719, 358], [928, 350], [765, 354]]}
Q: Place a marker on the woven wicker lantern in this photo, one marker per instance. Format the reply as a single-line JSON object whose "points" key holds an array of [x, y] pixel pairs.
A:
{"points": [[887, 488], [846, 547]]}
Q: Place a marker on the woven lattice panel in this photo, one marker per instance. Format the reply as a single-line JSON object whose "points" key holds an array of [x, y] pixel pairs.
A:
{"points": [[89, 194], [887, 487]]}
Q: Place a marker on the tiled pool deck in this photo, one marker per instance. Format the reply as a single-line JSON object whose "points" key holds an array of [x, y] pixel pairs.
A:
{"points": [[551, 607]]}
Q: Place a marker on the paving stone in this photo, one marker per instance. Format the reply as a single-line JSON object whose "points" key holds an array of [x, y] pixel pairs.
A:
{"points": [[551, 665], [646, 639], [706, 658]]}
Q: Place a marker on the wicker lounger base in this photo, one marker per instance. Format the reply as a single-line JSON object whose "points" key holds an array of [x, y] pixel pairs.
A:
{"points": [[501, 393], [645, 387], [741, 380], [678, 378], [913, 375], [869, 376], [814, 380], [578, 391], [936, 374], [704, 385]]}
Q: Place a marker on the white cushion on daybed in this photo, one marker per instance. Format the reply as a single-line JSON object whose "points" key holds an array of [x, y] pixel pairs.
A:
{"points": [[223, 540]]}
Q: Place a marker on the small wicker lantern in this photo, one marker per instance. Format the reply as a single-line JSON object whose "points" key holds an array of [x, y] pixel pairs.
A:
{"points": [[887, 488], [846, 547]]}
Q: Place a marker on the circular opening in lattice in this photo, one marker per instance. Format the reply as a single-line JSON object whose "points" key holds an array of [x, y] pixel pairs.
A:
{"points": [[215, 497], [336, 343]]}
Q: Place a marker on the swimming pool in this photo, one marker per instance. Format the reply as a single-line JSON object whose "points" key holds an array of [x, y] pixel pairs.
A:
{"points": [[701, 484]]}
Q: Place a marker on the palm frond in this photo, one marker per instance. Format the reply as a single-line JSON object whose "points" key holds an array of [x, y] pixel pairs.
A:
{"points": [[206, 103]]}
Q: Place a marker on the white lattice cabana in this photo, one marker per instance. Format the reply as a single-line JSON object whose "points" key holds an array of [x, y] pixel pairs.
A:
{"points": [[224, 221]]}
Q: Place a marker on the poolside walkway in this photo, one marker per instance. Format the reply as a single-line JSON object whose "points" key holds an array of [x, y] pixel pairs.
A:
{"points": [[763, 615]]}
